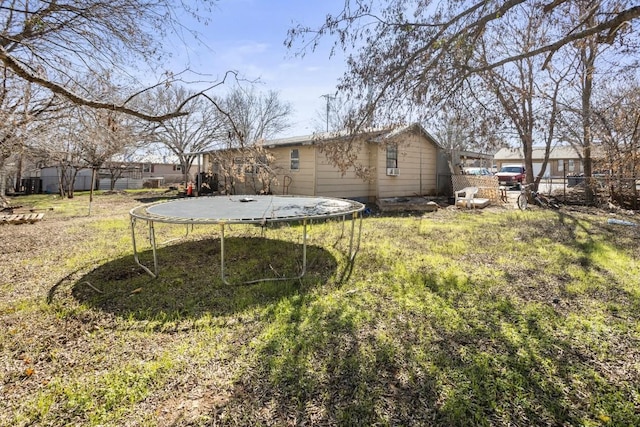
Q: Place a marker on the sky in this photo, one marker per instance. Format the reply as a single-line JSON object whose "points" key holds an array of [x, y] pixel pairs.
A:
{"points": [[248, 36]]}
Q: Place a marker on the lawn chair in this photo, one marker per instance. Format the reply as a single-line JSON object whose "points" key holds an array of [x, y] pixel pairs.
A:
{"points": [[464, 197]]}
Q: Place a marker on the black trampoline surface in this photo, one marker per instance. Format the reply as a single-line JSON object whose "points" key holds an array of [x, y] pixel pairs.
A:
{"points": [[245, 209]]}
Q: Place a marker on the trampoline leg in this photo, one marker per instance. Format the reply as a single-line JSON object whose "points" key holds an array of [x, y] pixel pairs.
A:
{"points": [[222, 275], [353, 249], [304, 249], [152, 241]]}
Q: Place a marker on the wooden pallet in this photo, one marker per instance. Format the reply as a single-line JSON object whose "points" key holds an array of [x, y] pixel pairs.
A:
{"points": [[21, 218]]}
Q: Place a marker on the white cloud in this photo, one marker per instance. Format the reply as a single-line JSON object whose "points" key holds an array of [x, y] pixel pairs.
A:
{"points": [[247, 36]]}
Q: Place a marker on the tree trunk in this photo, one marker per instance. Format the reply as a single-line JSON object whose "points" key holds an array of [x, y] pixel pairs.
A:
{"points": [[527, 150], [93, 184], [61, 185], [18, 173], [3, 178], [588, 53], [586, 132]]}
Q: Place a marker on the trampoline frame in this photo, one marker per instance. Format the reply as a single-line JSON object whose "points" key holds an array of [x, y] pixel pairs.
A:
{"points": [[141, 213]]}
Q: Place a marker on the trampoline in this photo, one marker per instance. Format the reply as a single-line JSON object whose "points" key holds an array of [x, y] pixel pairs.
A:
{"points": [[260, 210]]}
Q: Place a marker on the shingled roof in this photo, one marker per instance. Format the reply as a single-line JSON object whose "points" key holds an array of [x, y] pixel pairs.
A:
{"points": [[374, 135]]}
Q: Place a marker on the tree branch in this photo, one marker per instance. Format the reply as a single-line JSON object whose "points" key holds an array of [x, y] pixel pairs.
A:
{"points": [[620, 19], [15, 66]]}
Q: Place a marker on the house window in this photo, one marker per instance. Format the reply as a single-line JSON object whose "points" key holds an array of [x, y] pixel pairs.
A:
{"points": [[295, 159], [572, 165], [392, 156], [146, 167], [561, 165]]}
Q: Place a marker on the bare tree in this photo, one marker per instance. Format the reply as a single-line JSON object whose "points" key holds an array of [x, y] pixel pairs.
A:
{"points": [[124, 163], [74, 137], [105, 135], [13, 120], [418, 52], [23, 109], [250, 119], [597, 59], [254, 116], [41, 41], [616, 124], [186, 136], [589, 50], [411, 57], [62, 149], [526, 97], [470, 119], [250, 166], [51, 47]]}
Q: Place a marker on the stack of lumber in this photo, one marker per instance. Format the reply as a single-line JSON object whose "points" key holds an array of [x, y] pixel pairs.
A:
{"points": [[20, 218]]}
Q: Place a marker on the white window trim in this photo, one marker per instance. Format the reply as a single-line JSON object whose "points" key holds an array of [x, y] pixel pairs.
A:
{"points": [[295, 160], [395, 148]]}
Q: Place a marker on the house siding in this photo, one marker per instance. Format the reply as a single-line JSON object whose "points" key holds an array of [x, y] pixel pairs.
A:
{"points": [[299, 182], [169, 172], [417, 163], [332, 183]]}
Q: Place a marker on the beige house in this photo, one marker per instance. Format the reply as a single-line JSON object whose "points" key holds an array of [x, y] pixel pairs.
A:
{"points": [[563, 160], [391, 163]]}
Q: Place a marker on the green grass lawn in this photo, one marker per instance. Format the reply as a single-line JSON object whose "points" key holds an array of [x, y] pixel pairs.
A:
{"points": [[454, 318]]}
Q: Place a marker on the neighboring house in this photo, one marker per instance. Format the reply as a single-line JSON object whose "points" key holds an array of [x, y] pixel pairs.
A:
{"points": [[134, 175], [563, 160], [403, 162], [171, 173]]}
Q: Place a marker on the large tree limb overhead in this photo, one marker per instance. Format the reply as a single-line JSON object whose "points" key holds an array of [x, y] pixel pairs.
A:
{"points": [[613, 25], [12, 64]]}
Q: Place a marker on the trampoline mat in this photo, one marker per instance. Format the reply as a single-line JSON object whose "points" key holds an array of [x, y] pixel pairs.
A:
{"points": [[250, 209]]}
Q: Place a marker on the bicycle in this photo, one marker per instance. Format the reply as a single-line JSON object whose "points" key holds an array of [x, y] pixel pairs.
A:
{"points": [[527, 193]]}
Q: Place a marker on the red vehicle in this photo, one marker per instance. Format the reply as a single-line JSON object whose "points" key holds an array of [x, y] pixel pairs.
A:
{"points": [[511, 175]]}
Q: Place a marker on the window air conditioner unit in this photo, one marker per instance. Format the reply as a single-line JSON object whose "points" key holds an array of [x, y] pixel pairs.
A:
{"points": [[393, 171]]}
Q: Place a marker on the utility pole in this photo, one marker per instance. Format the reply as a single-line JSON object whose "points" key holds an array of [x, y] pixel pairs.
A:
{"points": [[329, 98]]}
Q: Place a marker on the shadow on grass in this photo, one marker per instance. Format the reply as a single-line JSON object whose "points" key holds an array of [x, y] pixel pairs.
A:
{"points": [[449, 353], [320, 363], [189, 285]]}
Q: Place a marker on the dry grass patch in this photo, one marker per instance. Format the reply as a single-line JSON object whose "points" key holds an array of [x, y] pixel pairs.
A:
{"points": [[495, 317]]}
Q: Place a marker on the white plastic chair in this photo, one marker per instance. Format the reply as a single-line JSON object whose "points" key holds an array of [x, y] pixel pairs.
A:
{"points": [[466, 195]]}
